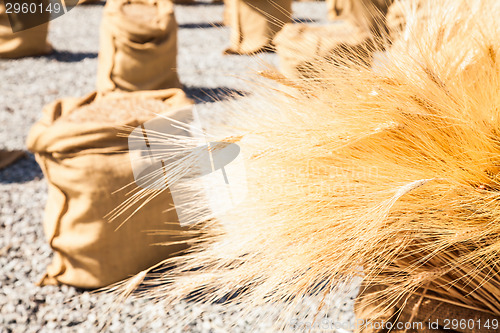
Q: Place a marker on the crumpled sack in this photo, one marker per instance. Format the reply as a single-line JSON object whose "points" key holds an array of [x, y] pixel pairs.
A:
{"points": [[300, 46], [254, 23], [24, 43], [138, 46], [368, 15]]}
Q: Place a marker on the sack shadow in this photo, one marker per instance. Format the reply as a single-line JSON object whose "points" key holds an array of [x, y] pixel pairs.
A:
{"points": [[153, 283], [304, 20], [205, 4], [210, 95], [101, 3], [201, 25], [24, 170], [66, 56]]}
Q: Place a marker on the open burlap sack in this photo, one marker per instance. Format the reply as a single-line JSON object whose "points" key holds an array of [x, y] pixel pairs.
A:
{"points": [[86, 163], [300, 46], [23, 43], [366, 14], [254, 23], [420, 312], [138, 46]]}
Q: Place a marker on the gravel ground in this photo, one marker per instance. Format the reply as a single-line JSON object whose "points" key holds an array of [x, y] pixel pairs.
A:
{"points": [[26, 85]]}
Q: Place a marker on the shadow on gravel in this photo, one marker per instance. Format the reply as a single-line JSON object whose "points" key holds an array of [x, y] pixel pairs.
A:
{"points": [[201, 25], [152, 284], [304, 20], [24, 170], [99, 3], [209, 95], [66, 56], [204, 4]]}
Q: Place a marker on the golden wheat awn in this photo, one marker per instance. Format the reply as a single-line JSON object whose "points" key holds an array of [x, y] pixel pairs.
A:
{"points": [[391, 173]]}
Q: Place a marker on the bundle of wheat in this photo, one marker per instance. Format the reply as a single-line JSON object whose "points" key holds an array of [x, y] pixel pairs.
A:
{"points": [[393, 168]]}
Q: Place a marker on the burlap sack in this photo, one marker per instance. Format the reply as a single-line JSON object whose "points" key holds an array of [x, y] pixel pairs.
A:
{"points": [[366, 14], [226, 19], [88, 2], [73, 3], [254, 23], [337, 7], [86, 163], [300, 46], [24, 43], [187, 2], [420, 314], [396, 16], [138, 46], [8, 157]]}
